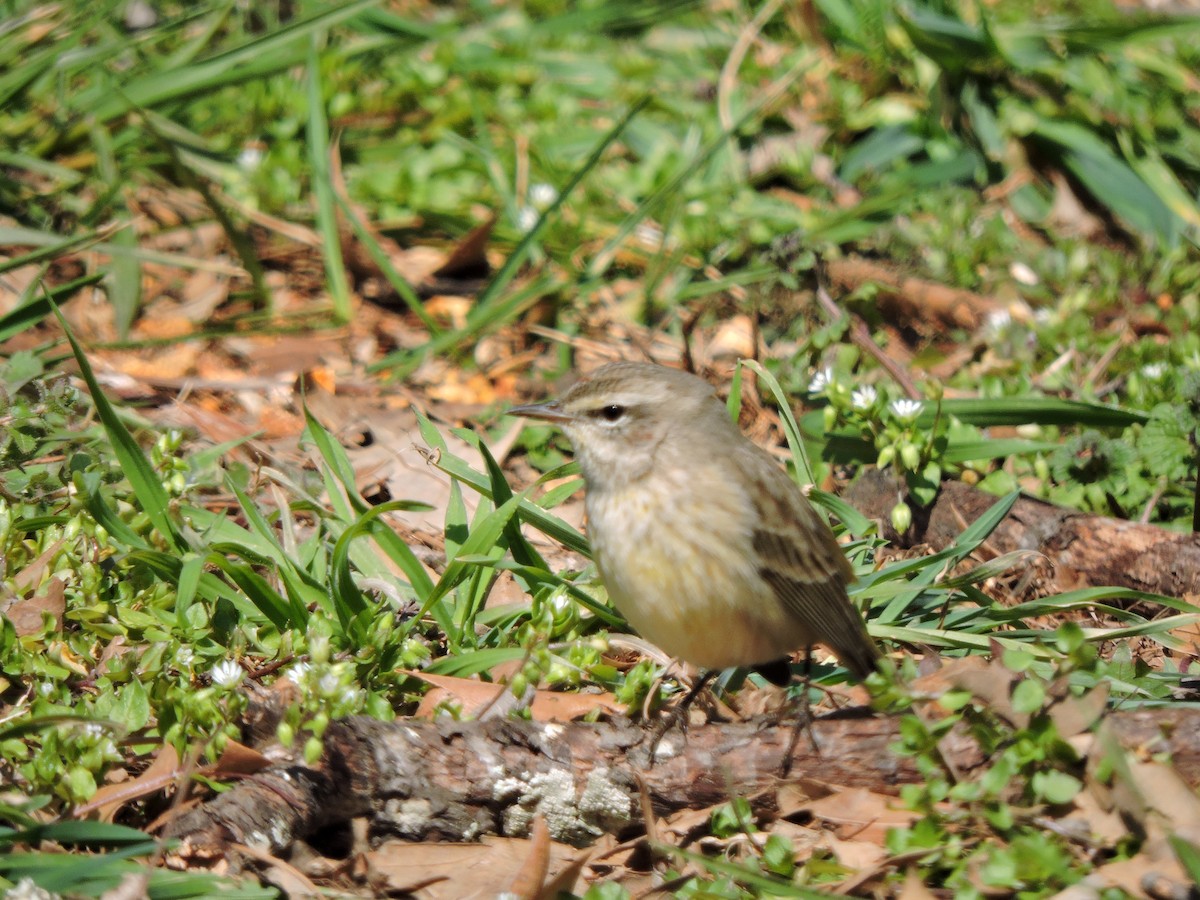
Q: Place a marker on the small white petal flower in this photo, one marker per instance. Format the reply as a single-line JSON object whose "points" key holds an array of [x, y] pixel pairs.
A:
{"points": [[906, 410], [227, 674], [1022, 274], [299, 672], [997, 320], [92, 729], [329, 684], [541, 195], [184, 657], [821, 380], [251, 156], [1154, 371], [864, 397], [560, 601], [527, 217]]}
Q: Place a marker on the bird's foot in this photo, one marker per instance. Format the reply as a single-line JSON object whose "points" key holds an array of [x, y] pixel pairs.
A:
{"points": [[677, 716]]}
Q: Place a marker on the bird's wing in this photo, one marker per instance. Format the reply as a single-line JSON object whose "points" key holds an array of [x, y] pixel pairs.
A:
{"points": [[804, 565]]}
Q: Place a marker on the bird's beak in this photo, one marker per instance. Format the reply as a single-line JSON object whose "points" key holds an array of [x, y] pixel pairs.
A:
{"points": [[550, 412]]}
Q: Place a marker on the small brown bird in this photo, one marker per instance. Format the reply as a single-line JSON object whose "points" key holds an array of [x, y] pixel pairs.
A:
{"points": [[705, 544]]}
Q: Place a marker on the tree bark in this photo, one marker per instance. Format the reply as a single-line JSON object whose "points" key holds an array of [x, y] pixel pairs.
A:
{"points": [[456, 781], [1085, 550]]}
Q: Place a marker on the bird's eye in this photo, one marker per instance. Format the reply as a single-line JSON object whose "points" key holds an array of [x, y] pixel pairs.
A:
{"points": [[612, 412]]}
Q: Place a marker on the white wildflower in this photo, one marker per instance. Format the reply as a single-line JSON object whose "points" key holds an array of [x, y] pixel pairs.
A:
{"points": [[906, 410], [1022, 274], [527, 218], [821, 380], [329, 684], [541, 195], [251, 156], [227, 674], [864, 397], [997, 320], [1154, 371]]}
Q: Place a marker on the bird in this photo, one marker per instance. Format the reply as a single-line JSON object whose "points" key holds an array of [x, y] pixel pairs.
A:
{"points": [[704, 543]]}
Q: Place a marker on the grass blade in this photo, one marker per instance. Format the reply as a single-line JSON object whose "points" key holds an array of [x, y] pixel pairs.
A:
{"points": [[147, 486]]}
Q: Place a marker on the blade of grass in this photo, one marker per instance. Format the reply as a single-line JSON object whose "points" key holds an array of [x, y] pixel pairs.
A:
{"points": [[790, 428], [488, 311], [30, 310], [274, 51], [398, 282], [145, 483], [456, 467], [322, 182]]}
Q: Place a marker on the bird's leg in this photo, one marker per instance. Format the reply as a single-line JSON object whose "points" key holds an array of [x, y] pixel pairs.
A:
{"points": [[803, 717], [677, 714]]}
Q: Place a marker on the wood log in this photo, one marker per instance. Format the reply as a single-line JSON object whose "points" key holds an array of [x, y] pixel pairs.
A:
{"points": [[457, 781], [1086, 550]]}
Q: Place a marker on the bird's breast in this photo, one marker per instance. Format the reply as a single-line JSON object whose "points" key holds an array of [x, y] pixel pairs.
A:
{"points": [[677, 558]]}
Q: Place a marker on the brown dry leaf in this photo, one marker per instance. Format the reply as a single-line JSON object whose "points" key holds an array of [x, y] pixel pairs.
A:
{"points": [[943, 677], [174, 361], [31, 575], [159, 775], [212, 424], [282, 874], [238, 759], [527, 883], [914, 888], [1150, 868], [992, 684], [1161, 794], [566, 880], [393, 457], [1074, 715], [475, 696], [443, 871], [469, 259], [856, 855], [26, 615], [469, 388], [449, 309], [1190, 634], [163, 327], [683, 826], [734, 338], [804, 839], [1101, 823], [860, 813], [796, 795], [275, 423]]}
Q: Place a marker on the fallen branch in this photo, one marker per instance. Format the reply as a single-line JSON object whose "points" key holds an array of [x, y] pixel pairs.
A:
{"points": [[909, 299], [1085, 549], [457, 781]]}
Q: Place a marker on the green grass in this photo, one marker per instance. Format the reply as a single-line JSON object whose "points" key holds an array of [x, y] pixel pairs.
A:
{"points": [[619, 155]]}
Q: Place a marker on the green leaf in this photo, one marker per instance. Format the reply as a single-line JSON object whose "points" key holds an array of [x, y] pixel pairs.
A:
{"points": [[31, 309], [1055, 787], [1188, 855], [1028, 696], [322, 182], [145, 482], [1112, 181]]}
